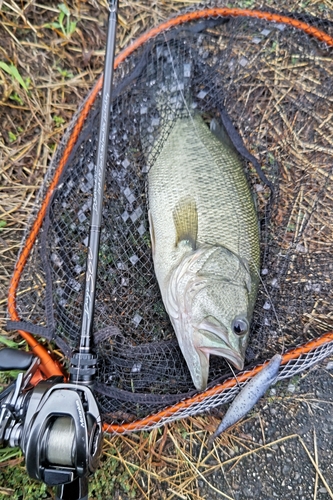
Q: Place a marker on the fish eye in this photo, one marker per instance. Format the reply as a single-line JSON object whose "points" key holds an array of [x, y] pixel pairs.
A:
{"points": [[240, 326]]}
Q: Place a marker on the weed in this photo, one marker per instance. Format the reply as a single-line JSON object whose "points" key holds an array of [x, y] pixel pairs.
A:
{"points": [[105, 256], [16, 98], [9, 453], [16, 478], [14, 73], [6, 378], [245, 4], [111, 477], [65, 73], [322, 7], [58, 120], [146, 239], [11, 136], [158, 308], [4, 340], [64, 23]]}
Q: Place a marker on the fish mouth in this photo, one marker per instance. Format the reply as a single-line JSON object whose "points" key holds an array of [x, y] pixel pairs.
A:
{"points": [[218, 347], [226, 352]]}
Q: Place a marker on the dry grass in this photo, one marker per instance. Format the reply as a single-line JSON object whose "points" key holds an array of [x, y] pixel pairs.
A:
{"points": [[58, 69], [174, 462]]}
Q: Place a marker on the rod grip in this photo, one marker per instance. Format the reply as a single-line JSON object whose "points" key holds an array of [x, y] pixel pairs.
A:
{"points": [[76, 490]]}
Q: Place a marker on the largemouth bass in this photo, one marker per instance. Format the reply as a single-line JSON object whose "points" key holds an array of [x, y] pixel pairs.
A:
{"points": [[205, 243]]}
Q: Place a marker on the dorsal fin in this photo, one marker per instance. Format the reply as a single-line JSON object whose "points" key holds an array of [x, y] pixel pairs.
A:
{"points": [[222, 135], [239, 145]]}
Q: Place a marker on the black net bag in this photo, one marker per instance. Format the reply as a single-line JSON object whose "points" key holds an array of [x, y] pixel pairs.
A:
{"points": [[272, 74]]}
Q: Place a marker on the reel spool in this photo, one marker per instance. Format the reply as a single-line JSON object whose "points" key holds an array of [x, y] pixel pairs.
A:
{"points": [[60, 446]]}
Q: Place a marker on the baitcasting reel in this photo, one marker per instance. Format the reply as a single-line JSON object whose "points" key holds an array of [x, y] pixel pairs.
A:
{"points": [[57, 425]]}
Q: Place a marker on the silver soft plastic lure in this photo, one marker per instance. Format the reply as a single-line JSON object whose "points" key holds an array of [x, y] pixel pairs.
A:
{"points": [[250, 395]]}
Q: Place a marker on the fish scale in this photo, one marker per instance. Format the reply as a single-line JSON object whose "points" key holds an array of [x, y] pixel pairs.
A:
{"points": [[198, 181]]}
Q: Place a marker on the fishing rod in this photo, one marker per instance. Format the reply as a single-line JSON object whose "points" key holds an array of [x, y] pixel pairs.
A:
{"points": [[57, 423]]}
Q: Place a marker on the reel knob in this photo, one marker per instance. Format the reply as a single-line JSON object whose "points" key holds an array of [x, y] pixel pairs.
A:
{"points": [[13, 359]]}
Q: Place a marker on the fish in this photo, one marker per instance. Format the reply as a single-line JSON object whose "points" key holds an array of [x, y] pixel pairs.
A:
{"points": [[249, 395], [205, 242]]}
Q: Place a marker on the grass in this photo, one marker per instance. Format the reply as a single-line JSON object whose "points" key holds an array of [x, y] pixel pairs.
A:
{"points": [[50, 56], [64, 22]]}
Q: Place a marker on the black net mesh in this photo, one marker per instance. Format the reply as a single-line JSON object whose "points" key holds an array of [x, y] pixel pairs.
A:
{"points": [[276, 85]]}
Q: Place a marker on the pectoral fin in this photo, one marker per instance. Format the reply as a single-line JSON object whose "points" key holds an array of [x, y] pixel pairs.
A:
{"points": [[185, 217], [152, 233]]}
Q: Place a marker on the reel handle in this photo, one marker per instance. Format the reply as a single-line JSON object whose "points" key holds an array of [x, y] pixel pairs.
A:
{"points": [[13, 359]]}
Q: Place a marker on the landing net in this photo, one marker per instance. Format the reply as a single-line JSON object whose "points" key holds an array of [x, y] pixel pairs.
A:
{"points": [[273, 74]]}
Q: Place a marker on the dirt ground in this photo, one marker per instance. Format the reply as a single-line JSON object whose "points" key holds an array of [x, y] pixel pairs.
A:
{"points": [[283, 449], [286, 444]]}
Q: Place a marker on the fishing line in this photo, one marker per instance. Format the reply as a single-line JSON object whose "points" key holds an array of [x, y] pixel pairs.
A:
{"points": [[232, 133], [273, 308], [234, 374], [181, 92]]}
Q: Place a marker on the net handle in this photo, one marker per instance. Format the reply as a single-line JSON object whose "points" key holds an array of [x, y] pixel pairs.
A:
{"points": [[49, 366]]}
